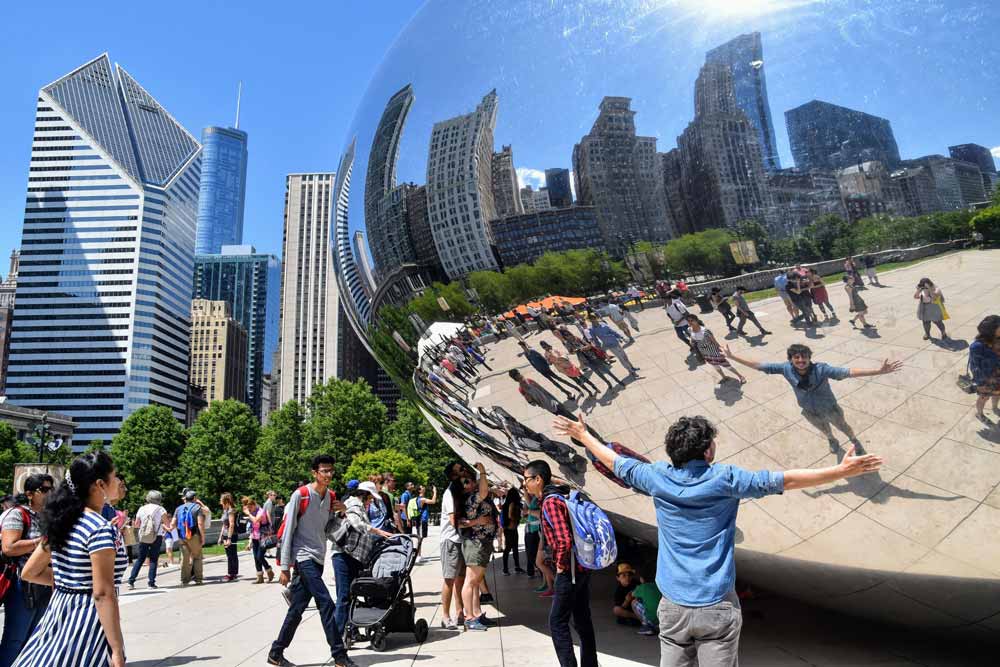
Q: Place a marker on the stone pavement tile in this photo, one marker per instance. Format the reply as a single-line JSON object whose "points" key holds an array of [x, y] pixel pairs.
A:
{"points": [[899, 445], [763, 532], [933, 359], [757, 424], [926, 414], [640, 413], [968, 592], [726, 405], [938, 515], [856, 419], [993, 500], [763, 388], [908, 611], [973, 432], [945, 388], [875, 399], [908, 378], [857, 542], [795, 447], [804, 516], [854, 491], [975, 478], [974, 541]]}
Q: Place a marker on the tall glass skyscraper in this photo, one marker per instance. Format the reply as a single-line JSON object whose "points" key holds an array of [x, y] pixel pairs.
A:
{"points": [[745, 57], [250, 282], [102, 311], [223, 189], [828, 136]]}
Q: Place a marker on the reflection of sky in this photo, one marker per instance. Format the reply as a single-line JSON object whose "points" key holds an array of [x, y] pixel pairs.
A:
{"points": [[932, 70]]}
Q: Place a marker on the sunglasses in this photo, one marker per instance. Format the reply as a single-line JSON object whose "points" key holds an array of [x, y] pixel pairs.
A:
{"points": [[44, 489], [466, 482]]}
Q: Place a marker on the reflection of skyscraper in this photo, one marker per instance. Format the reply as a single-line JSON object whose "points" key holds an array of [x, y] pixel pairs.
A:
{"points": [[250, 282], [506, 195], [223, 188], [723, 175], [959, 184], [364, 266], [981, 157], [84, 348], [385, 213], [460, 189], [557, 183], [618, 172], [827, 136], [745, 57], [535, 200], [343, 255]]}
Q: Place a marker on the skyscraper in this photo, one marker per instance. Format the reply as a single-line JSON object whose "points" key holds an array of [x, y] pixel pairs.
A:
{"points": [[365, 270], [744, 55], [218, 351], [459, 189], [723, 175], [385, 204], [306, 264], [557, 183], [113, 335], [617, 172], [506, 194], [8, 289], [976, 154], [250, 282], [535, 200], [959, 184], [827, 136], [223, 189]]}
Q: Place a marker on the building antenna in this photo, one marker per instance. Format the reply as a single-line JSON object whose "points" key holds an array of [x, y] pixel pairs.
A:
{"points": [[239, 94]]}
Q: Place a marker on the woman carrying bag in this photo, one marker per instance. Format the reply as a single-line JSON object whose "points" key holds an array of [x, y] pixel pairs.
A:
{"points": [[930, 307], [261, 537]]}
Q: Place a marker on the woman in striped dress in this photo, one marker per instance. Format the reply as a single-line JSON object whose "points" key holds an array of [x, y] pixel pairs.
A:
{"points": [[711, 351], [82, 626]]}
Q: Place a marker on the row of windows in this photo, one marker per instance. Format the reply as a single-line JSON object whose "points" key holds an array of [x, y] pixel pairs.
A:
{"points": [[70, 209], [80, 251], [62, 158], [70, 339], [39, 149], [28, 397], [58, 385], [106, 218], [69, 262], [39, 200], [77, 241], [64, 188], [35, 373], [77, 230], [69, 167]]}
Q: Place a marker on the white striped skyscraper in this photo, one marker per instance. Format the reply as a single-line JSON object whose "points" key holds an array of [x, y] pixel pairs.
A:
{"points": [[102, 316]]}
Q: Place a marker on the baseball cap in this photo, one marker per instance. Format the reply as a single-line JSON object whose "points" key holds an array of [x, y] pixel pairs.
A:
{"points": [[368, 487], [189, 495], [625, 568], [351, 485]]}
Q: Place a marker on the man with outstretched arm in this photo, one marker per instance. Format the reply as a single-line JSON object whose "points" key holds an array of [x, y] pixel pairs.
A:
{"points": [[811, 383], [696, 504]]}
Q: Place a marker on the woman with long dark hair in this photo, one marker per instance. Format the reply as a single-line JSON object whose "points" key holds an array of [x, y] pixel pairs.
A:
{"points": [[229, 537], [984, 364], [83, 558]]}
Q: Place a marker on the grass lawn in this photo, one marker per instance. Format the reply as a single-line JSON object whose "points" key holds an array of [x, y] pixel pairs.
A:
{"points": [[836, 277], [219, 550]]}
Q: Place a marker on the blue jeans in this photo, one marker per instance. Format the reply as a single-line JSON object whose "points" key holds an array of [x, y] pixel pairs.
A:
{"points": [[152, 552], [345, 570], [259, 561], [18, 623], [572, 600], [307, 585]]}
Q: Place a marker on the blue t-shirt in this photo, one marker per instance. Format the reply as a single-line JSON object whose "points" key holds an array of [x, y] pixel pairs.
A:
{"points": [[696, 509], [781, 283], [404, 500], [425, 513], [812, 391]]}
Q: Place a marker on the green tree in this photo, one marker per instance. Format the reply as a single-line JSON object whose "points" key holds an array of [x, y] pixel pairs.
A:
{"points": [[281, 459], [987, 223], [9, 454], [492, 289], [751, 230], [365, 464], [96, 446], [146, 452], [705, 253], [218, 456], [410, 434], [344, 418], [823, 234]]}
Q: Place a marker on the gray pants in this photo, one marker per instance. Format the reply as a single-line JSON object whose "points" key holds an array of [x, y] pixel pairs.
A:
{"points": [[622, 357], [825, 419], [706, 636]]}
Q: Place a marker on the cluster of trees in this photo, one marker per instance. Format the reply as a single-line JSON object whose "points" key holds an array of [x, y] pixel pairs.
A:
{"points": [[226, 449], [14, 451]]}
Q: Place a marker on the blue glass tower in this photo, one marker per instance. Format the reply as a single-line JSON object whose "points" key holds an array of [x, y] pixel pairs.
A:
{"points": [[250, 282], [223, 189]]}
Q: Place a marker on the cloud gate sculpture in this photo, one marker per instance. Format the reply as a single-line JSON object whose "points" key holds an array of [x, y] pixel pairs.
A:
{"points": [[514, 166]]}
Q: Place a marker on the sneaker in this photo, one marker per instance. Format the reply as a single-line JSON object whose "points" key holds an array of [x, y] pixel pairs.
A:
{"points": [[449, 623], [151, 586], [474, 624], [647, 631], [344, 661], [541, 589], [548, 594], [506, 573], [460, 619], [485, 620], [131, 586], [278, 659]]}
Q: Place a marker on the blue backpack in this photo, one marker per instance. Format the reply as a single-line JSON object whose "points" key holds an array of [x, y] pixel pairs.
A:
{"points": [[186, 526], [594, 545]]}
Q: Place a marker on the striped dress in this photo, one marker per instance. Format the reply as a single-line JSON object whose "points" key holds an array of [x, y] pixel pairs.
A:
{"points": [[70, 632]]}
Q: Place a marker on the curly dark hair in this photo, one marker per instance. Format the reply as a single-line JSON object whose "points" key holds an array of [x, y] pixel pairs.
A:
{"points": [[688, 439], [65, 505], [798, 348], [987, 329]]}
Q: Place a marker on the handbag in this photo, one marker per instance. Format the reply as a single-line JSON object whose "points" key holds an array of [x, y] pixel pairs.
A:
{"points": [[944, 312], [268, 539], [128, 534]]}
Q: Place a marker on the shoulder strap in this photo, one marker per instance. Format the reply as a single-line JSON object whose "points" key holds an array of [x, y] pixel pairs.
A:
{"points": [[303, 500]]}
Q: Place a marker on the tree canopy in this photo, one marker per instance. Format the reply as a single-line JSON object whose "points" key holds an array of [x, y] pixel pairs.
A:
{"points": [[403, 467], [147, 452], [218, 456], [344, 418]]}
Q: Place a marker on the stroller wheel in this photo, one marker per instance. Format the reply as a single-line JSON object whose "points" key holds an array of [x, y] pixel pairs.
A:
{"points": [[420, 631], [379, 641]]}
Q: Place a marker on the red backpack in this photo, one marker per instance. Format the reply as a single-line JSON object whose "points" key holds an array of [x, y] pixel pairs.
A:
{"points": [[303, 505]]}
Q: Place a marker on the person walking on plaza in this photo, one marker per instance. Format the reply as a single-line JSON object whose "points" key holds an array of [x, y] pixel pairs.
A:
{"points": [[704, 340], [800, 289], [261, 527], [851, 269], [984, 365], [590, 356], [511, 511], [149, 524], [721, 304], [811, 383], [869, 261], [820, 296], [477, 527], [571, 598], [24, 603], [532, 528], [190, 521], [421, 522], [930, 307], [858, 305], [303, 547], [452, 562], [229, 537], [744, 313], [676, 310], [568, 368], [612, 311], [781, 287], [82, 559], [607, 339], [539, 363], [696, 503]]}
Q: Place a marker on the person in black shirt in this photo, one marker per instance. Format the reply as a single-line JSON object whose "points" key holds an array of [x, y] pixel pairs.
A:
{"points": [[511, 511], [627, 581]]}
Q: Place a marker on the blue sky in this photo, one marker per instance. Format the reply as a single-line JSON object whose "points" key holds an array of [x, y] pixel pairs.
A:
{"points": [[932, 68]]}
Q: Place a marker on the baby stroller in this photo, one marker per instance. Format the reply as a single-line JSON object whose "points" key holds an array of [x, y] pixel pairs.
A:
{"points": [[382, 597]]}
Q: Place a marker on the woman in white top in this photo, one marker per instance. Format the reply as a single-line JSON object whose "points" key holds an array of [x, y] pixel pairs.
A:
{"points": [[930, 307]]}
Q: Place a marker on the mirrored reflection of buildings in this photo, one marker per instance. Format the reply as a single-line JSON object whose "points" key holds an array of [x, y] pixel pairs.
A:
{"points": [[365, 270], [250, 283], [8, 289], [521, 239], [959, 184], [535, 200], [797, 198], [557, 182], [219, 345], [982, 157], [828, 136], [506, 194], [121, 324]]}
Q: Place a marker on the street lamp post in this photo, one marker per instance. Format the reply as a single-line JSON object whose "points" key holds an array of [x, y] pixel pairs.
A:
{"points": [[40, 438]]}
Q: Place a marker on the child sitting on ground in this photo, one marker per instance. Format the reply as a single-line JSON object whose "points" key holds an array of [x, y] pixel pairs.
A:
{"points": [[644, 601], [627, 581]]}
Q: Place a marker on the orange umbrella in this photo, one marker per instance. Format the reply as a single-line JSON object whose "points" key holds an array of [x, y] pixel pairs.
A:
{"points": [[546, 304]]}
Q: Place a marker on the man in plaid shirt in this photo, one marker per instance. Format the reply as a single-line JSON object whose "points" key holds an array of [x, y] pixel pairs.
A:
{"points": [[571, 598]]}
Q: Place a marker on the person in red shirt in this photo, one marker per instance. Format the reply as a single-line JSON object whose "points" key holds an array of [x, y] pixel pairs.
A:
{"points": [[572, 593]]}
